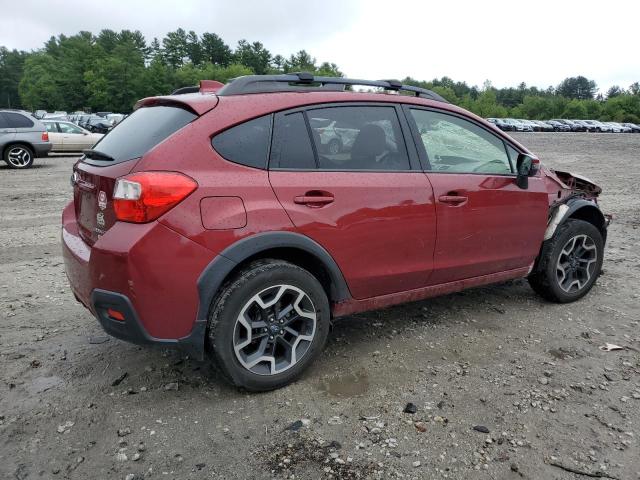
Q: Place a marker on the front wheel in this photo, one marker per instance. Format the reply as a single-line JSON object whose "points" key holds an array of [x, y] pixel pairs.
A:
{"points": [[268, 325], [569, 262]]}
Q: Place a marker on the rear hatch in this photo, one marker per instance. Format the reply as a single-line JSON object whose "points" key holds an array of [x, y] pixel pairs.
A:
{"points": [[114, 156]]}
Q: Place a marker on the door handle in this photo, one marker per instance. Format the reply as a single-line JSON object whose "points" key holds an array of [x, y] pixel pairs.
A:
{"points": [[453, 199], [314, 199]]}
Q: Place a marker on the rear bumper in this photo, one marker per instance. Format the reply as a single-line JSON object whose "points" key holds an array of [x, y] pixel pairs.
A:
{"points": [[130, 329], [42, 149], [147, 272]]}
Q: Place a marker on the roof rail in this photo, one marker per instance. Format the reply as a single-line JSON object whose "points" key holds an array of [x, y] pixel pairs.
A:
{"points": [[306, 82]]}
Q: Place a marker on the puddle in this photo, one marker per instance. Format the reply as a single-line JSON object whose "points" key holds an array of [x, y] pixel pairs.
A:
{"points": [[345, 385]]}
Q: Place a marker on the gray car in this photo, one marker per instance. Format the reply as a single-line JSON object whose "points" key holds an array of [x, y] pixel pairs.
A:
{"points": [[22, 138]]}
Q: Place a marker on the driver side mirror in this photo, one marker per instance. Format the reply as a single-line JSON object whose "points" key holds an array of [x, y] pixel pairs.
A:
{"points": [[524, 167]]}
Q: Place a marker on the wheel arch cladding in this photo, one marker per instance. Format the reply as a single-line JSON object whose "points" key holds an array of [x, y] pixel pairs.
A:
{"points": [[293, 247], [580, 209]]}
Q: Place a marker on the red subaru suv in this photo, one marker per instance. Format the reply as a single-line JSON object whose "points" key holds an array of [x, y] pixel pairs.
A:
{"points": [[237, 220]]}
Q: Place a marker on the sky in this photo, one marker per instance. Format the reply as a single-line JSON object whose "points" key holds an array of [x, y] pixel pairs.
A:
{"points": [[539, 42]]}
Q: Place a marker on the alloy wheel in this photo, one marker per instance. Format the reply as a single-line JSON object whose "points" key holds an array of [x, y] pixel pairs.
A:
{"points": [[19, 157], [576, 263], [274, 330]]}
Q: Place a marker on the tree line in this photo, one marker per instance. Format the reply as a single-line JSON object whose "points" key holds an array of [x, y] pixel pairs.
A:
{"points": [[112, 70]]}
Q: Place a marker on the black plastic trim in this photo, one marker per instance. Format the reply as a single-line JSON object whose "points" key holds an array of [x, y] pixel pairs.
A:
{"points": [[132, 330], [216, 272], [307, 82]]}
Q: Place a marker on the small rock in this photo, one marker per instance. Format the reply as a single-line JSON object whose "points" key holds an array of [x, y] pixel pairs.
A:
{"points": [[123, 432], [98, 339], [65, 427], [171, 386], [543, 380], [416, 464], [481, 429], [136, 457], [130, 476], [334, 421], [295, 426], [515, 468], [410, 408], [121, 457], [420, 426], [119, 380]]}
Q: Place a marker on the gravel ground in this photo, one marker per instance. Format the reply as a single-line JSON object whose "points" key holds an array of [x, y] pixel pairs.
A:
{"points": [[504, 385]]}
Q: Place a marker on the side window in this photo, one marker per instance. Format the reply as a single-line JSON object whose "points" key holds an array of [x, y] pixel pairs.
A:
{"points": [[247, 143], [51, 127], [458, 146], [17, 120], [292, 146], [3, 121], [358, 138], [68, 128]]}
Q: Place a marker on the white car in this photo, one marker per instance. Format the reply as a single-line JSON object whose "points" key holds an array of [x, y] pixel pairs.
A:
{"points": [[67, 137]]}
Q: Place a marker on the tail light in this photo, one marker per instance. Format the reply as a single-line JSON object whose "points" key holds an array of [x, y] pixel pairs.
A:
{"points": [[145, 196], [45, 136]]}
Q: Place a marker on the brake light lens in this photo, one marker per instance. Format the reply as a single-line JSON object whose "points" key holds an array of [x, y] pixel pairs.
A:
{"points": [[45, 136], [145, 196]]}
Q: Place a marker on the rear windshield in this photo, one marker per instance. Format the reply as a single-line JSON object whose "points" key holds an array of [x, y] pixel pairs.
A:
{"points": [[140, 132]]}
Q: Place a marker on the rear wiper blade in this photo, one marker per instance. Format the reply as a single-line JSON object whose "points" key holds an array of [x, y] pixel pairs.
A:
{"points": [[97, 155]]}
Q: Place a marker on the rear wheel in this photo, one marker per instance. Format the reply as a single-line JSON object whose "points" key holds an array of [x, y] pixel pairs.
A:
{"points": [[18, 156], [268, 325], [569, 262]]}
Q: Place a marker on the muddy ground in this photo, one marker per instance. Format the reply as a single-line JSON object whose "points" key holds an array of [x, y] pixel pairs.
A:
{"points": [[528, 374]]}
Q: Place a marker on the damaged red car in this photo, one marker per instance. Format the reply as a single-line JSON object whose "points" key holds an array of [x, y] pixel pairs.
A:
{"points": [[236, 221]]}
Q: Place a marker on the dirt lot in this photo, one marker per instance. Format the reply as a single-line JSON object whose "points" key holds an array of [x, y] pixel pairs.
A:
{"points": [[75, 404]]}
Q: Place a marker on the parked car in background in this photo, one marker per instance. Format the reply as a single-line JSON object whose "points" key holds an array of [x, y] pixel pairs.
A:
{"points": [[217, 223], [115, 118], [67, 137], [543, 126], [559, 126], [618, 127], [97, 124], [634, 128], [39, 113], [22, 139], [518, 126], [501, 124]]}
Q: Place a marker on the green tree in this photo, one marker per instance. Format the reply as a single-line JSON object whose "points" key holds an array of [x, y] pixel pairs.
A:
{"points": [[175, 47], [215, 50], [11, 71], [577, 87], [253, 55], [575, 109], [38, 87]]}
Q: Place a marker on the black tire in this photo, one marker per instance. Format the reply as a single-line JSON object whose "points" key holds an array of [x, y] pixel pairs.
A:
{"points": [[19, 156], [544, 278], [233, 298]]}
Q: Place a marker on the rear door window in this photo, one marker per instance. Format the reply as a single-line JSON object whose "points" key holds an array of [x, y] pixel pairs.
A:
{"points": [[17, 120], [247, 143], [358, 138], [140, 132]]}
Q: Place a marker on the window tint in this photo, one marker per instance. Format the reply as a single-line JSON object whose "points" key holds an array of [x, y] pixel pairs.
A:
{"points": [[358, 138], [140, 132], [17, 120], [3, 121], [69, 128], [458, 146], [247, 143], [51, 127], [292, 145]]}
